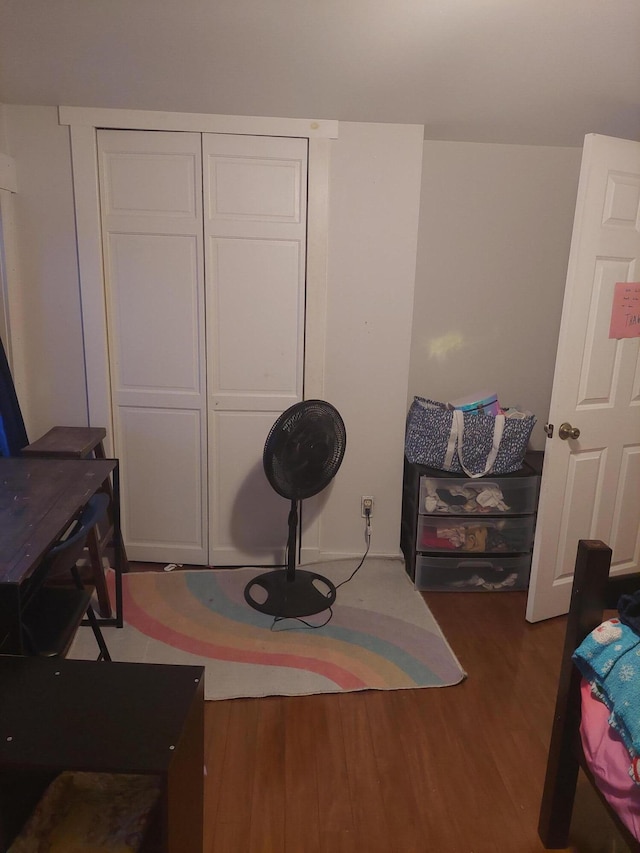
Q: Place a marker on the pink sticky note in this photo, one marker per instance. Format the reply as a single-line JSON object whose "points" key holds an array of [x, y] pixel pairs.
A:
{"points": [[625, 312]]}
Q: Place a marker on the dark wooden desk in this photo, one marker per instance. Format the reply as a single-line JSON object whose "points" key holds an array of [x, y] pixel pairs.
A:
{"points": [[39, 498], [105, 717], [62, 442]]}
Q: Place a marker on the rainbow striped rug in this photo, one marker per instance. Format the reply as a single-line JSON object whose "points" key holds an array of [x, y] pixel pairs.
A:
{"points": [[381, 635]]}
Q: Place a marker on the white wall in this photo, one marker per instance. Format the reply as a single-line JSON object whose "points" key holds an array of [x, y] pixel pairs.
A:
{"points": [[374, 205], [4, 145], [495, 230], [46, 326], [492, 247]]}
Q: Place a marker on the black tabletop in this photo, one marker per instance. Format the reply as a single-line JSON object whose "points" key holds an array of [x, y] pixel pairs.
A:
{"points": [[85, 715], [38, 499]]}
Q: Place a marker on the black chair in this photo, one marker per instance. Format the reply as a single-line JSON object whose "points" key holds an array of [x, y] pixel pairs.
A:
{"points": [[13, 436], [53, 609]]}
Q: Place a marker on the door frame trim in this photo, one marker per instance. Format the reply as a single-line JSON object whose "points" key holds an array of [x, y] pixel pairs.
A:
{"points": [[83, 126]]}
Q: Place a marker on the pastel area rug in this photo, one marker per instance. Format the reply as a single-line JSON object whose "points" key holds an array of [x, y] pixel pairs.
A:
{"points": [[381, 635]]}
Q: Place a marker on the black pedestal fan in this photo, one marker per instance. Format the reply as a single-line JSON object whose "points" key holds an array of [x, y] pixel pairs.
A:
{"points": [[302, 454]]}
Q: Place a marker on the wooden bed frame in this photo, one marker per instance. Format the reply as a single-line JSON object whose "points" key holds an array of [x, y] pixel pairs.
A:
{"points": [[593, 592]]}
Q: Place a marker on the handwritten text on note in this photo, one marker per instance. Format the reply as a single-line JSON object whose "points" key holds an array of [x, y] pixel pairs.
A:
{"points": [[625, 313]]}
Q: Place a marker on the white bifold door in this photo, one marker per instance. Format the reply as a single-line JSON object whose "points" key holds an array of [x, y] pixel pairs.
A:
{"points": [[204, 242]]}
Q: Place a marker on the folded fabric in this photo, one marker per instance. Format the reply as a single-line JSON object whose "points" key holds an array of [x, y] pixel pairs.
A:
{"points": [[608, 761], [609, 658], [629, 610], [471, 499]]}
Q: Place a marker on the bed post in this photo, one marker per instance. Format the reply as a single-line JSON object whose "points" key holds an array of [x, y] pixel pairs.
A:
{"points": [[585, 613]]}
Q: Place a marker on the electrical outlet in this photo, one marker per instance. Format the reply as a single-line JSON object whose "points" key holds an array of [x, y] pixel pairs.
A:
{"points": [[366, 506]]}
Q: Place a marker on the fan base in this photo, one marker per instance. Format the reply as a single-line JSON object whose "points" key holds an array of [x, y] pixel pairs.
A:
{"points": [[290, 599]]}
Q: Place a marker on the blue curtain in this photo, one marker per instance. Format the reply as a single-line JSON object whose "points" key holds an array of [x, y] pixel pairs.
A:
{"points": [[13, 436]]}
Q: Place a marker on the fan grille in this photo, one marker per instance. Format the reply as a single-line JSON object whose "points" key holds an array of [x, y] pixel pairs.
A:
{"points": [[304, 449]]}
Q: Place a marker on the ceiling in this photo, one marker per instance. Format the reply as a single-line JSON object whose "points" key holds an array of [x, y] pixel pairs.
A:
{"points": [[537, 72]]}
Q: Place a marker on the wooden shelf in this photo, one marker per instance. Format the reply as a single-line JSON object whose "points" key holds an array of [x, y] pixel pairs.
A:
{"points": [[104, 717]]}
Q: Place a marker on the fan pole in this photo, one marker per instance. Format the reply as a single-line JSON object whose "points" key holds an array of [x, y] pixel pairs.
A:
{"points": [[292, 544], [290, 592]]}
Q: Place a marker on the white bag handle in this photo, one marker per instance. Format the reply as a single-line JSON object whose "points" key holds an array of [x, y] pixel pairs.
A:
{"points": [[451, 444], [498, 429]]}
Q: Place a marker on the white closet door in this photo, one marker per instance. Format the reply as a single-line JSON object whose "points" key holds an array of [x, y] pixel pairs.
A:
{"points": [[255, 248], [151, 203]]}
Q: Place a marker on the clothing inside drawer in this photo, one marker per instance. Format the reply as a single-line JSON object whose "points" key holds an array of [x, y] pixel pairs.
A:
{"points": [[508, 535], [442, 498]]}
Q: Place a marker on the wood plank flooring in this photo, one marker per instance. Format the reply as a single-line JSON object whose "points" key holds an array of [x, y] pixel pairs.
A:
{"points": [[450, 770]]}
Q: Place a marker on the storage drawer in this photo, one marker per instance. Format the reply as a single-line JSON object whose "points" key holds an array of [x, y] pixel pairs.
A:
{"points": [[464, 496], [471, 574], [479, 536]]}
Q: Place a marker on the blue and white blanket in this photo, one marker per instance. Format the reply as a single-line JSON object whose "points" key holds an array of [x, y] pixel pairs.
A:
{"points": [[609, 658]]}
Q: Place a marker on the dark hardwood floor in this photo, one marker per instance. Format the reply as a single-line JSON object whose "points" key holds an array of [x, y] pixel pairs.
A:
{"points": [[440, 770]]}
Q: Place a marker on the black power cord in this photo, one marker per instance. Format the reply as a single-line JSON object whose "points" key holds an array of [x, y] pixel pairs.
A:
{"points": [[367, 515]]}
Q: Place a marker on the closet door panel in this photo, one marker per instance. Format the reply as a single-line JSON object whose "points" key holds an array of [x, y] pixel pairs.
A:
{"points": [[256, 295], [255, 229], [154, 285], [256, 184], [151, 196], [154, 522], [149, 184], [252, 527]]}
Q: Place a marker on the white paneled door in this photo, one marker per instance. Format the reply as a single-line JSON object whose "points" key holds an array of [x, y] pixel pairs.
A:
{"points": [[591, 481], [255, 234], [205, 315]]}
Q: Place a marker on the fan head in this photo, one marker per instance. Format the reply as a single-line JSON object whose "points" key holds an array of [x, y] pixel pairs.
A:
{"points": [[304, 449]]}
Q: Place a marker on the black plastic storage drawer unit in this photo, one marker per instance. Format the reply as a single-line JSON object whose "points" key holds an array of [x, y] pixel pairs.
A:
{"points": [[460, 533]]}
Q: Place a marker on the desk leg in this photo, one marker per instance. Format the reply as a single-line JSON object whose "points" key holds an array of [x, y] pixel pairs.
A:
{"points": [[118, 546], [184, 794]]}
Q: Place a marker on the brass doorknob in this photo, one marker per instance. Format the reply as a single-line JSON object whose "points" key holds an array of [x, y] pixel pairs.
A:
{"points": [[567, 431]]}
